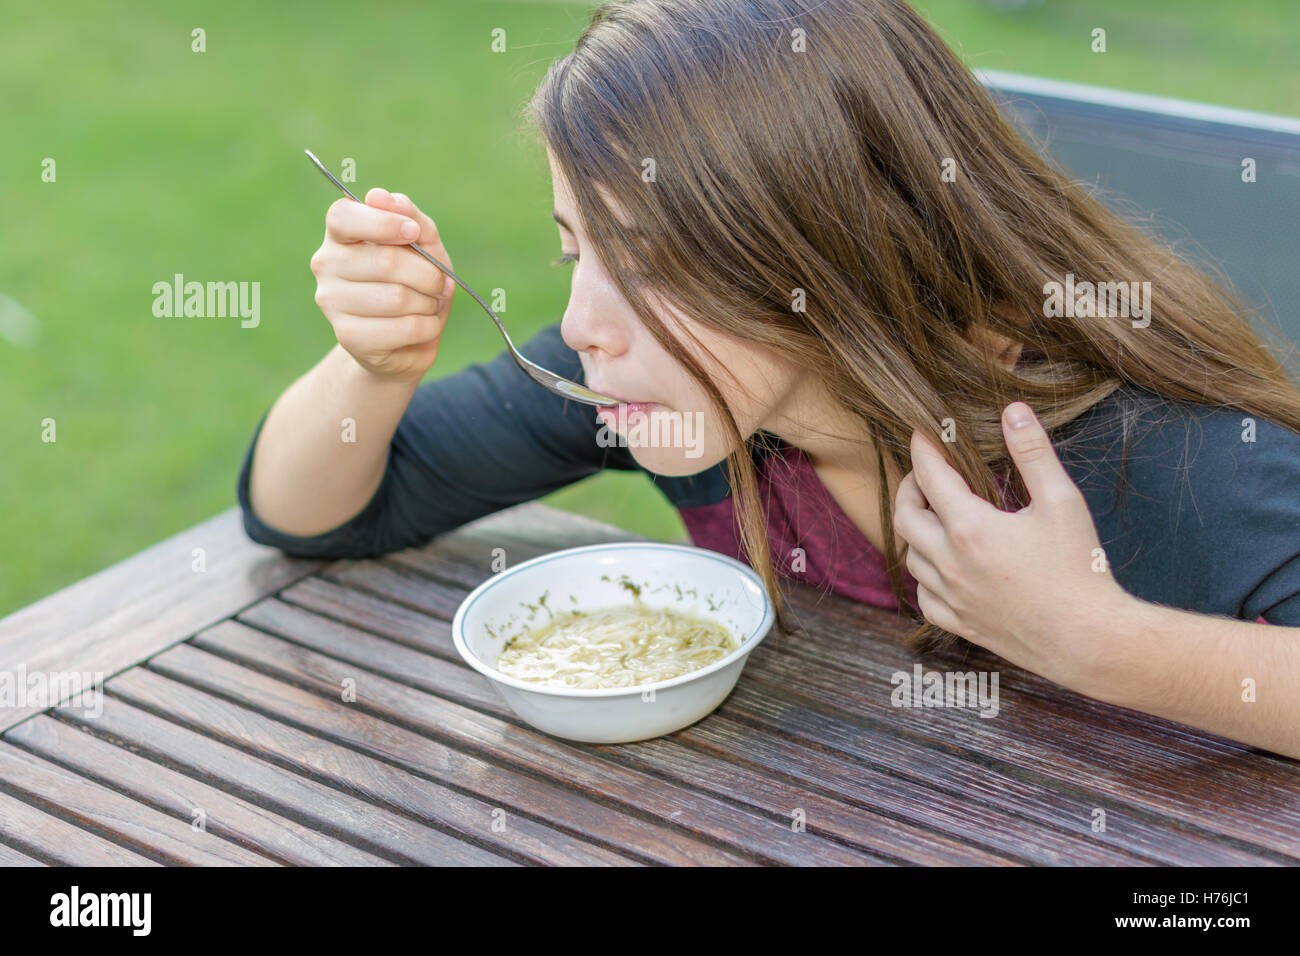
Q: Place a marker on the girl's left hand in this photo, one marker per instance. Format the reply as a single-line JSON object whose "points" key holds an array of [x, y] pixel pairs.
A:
{"points": [[1032, 586]]}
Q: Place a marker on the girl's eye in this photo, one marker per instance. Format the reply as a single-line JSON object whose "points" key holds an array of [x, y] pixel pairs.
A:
{"points": [[565, 259]]}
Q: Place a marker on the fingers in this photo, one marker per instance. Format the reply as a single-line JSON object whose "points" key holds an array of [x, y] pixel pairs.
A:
{"points": [[348, 254], [942, 486], [936, 611], [350, 221], [428, 228], [443, 284], [909, 494], [379, 299], [1031, 449], [913, 522], [371, 262], [364, 333], [924, 572], [925, 536]]}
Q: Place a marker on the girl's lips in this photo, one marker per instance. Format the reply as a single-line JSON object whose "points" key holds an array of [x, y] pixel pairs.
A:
{"points": [[624, 410]]}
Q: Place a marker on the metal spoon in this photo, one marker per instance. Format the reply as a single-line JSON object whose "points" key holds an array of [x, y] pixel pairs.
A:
{"points": [[547, 379]]}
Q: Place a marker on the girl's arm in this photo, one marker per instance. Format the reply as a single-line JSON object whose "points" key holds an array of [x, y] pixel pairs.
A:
{"points": [[469, 444], [1234, 678], [321, 450], [1034, 587], [309, 471]]}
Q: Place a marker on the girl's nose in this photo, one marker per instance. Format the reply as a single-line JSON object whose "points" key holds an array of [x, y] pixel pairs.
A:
{"points": [[590, 326]]}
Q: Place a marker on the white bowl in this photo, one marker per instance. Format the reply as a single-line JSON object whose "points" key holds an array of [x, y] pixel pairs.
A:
{"points": [[674, 576]]}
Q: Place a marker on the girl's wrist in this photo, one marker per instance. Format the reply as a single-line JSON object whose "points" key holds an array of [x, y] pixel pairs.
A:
{"points": [[360, 377], [1120, 632]]}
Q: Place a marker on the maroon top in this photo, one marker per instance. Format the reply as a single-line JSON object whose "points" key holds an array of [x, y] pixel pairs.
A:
{"points": [[801, 513]]}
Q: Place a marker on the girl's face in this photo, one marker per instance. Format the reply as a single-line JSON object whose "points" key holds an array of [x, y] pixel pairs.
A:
{"points": [[676, 431]]}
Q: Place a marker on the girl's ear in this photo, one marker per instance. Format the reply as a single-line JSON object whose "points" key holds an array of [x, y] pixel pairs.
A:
{"points": [[1010, 353], [1005, 350]]}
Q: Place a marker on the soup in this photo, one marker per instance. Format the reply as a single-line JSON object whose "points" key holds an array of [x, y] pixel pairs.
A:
{"points": [[623, 646]]}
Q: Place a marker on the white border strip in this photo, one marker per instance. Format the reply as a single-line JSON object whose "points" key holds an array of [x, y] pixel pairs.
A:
{"points": [[1021, 83]]}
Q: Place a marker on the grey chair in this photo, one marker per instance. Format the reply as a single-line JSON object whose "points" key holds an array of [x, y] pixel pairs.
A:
{"points": [[1182, 162]]}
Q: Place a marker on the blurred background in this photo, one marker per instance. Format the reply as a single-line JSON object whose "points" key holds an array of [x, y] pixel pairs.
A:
{"points": [[171, 161]]}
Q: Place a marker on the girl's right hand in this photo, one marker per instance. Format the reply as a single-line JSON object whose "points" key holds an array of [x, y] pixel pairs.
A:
{"points": [[388, 305]]}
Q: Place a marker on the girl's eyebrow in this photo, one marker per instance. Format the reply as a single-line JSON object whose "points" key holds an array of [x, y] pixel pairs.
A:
{"points": [[629, 230]]}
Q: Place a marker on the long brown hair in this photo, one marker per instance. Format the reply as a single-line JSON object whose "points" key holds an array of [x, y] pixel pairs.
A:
{"points": [[778, 149]]}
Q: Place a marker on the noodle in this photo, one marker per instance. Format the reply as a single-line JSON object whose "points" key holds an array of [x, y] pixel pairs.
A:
{"points": [[620, 646]]}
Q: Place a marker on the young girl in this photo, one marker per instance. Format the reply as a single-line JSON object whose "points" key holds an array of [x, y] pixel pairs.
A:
{"points": [[806, 231]]}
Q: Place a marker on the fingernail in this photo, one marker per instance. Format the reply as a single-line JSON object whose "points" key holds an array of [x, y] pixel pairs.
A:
{"points": [[410, 230], [1019, 415]]}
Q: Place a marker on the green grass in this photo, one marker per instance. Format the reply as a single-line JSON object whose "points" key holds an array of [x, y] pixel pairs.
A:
{"points": [[173, 161]]}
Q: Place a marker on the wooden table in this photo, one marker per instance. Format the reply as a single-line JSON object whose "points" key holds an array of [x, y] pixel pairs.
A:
{"points": [[225, 737]]}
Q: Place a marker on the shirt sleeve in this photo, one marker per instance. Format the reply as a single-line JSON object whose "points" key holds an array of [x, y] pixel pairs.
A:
{"points": [[470, 444], [1207, 514]]}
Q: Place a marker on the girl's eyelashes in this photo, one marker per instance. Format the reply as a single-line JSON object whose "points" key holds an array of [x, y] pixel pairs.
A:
{"points": [[565, 259]]}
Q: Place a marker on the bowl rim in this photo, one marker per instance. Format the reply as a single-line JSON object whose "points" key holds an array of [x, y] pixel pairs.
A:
{"points": [[747, 644]]}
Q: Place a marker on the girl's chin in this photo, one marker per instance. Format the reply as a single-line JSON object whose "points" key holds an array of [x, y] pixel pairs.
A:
{"points": [[661, 440], [670, 462]]}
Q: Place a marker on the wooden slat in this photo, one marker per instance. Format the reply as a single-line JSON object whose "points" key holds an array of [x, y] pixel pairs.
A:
{"points": [[855, 825], [135, 608], [1110, 750], [929, 825], [422, 669], [376, 781], [288, 793], [438, 566], [95, 807], [406, 588], [11, 857], [499, 786], [961, 815], [397, 586], [434, 636], [1083, 744], [375, 614], [836, 631], [246, 721], [541, 799], [225, 816], [43, 835], [952, 794], [805, 720], [462, 728]]}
